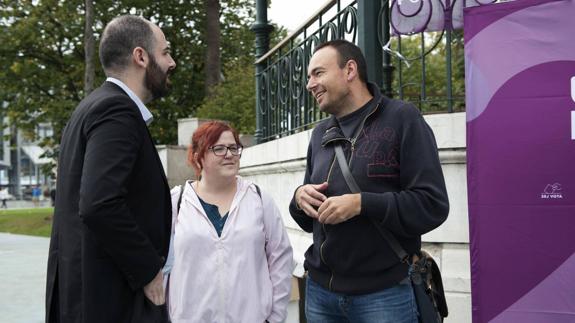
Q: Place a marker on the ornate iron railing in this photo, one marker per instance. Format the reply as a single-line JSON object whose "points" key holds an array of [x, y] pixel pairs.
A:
{"points": [[420, 58]]}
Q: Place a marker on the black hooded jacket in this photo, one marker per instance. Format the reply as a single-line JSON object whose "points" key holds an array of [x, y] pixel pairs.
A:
{"points": [[394, 161]]}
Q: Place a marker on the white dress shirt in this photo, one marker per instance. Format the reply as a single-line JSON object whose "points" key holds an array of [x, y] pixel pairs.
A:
{"points": [[146, 114]]}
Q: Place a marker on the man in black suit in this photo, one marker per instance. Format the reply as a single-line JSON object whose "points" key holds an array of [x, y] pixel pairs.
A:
{"points": [[112, 219]]}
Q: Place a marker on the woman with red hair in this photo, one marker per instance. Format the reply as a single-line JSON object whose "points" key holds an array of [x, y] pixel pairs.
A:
{"points": [[230, 260]]}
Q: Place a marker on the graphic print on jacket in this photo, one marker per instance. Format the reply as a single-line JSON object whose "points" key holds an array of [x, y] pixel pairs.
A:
{"points": [[379, 145]]}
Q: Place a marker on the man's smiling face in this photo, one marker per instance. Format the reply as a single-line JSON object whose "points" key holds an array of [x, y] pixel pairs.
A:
{"points": [[327, 80]]}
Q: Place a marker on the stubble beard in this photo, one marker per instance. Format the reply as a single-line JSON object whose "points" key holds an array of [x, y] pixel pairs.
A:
{"points": [[334, 106]]}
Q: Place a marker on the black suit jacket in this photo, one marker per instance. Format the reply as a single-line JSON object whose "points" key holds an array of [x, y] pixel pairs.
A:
{"points": [[112, 219]]}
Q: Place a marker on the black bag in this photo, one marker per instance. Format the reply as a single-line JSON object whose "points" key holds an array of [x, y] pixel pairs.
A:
{"points": [[424, 272], [428, 289]]}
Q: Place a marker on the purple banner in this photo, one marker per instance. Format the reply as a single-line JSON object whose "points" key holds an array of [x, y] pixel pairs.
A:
{"points": [[520, 103], [413, 16]]}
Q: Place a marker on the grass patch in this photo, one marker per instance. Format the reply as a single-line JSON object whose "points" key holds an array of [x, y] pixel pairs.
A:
{"points": [[35, 222]]}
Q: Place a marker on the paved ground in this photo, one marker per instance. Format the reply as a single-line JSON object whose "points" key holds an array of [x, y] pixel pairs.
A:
{"points": [[23, 278], [19, 204]]}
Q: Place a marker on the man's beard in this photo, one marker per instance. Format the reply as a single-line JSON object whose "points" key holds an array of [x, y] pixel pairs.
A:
{"points": [[156, 79]]}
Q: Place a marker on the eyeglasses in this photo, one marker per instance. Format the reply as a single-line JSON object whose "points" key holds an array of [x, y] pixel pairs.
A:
{"points": [[222, 150]]}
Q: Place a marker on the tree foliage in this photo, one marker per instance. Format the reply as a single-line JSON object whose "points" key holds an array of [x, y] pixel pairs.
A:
{"points": [[42, 56], [234, 99], [424, 81]]}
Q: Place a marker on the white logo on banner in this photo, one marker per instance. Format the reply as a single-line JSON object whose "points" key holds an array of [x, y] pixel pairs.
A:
{"points": [[552, 191]]}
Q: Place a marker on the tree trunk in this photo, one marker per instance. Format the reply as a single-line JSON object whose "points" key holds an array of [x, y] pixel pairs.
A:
{"points": [[213, 39], [89, 48], [14, 172]]}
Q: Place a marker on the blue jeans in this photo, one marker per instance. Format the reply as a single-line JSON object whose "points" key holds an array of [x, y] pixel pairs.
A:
{"points": [[392, 305]]}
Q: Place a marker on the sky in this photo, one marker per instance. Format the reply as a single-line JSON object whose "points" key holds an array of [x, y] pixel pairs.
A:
{"points": [[292, 13]]}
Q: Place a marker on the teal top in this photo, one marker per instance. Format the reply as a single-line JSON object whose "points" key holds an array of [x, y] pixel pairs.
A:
{"points": [[214, 215]]}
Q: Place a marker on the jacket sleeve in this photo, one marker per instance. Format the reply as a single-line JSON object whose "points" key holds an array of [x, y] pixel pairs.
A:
{"points": [[113, 141], [422, 204], [303, 220], [280, 259]]}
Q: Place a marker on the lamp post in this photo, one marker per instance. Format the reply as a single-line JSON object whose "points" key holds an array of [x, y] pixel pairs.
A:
{"points": [[262, 29]]}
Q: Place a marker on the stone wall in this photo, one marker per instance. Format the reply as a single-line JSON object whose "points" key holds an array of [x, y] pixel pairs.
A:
{"points": [[278, 168]]}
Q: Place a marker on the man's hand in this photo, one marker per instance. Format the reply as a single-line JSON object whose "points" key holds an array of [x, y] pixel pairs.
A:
{"points": [[309, 197], [339, 209], [154, 291]]}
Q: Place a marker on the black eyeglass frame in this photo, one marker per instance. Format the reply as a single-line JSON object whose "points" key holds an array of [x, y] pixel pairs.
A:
{"points": [[239, 149]]}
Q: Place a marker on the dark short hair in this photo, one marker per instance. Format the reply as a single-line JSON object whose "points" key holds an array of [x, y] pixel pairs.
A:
{"points": [[119, 39], [347, 51]]}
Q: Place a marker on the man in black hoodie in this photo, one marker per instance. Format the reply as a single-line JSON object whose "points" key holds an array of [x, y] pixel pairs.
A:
{"points": [[354, 274]]}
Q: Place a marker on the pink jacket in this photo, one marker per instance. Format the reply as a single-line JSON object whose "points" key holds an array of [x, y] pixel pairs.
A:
{"points": [[242, 276]]}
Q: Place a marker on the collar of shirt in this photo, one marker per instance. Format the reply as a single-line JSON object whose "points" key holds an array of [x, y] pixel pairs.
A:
{"points": [[146, 114]]}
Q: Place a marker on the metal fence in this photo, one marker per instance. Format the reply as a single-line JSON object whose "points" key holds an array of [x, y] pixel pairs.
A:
{"points": [[413, 48]]}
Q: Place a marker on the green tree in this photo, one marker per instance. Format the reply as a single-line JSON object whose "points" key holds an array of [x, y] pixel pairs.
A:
{"points": [[42, 56], [234, 99], [427, 87]]}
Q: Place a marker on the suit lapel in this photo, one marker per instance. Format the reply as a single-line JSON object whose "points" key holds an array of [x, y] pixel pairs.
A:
{"points": [[113, 87]]}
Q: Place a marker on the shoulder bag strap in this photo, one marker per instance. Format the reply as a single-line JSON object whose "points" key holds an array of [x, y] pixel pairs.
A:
{"points": [[345, 170], [180, 197], [258, 190], [352, 184]]}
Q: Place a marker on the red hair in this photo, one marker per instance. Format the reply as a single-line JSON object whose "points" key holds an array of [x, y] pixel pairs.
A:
{"points": [[203, 138]]}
